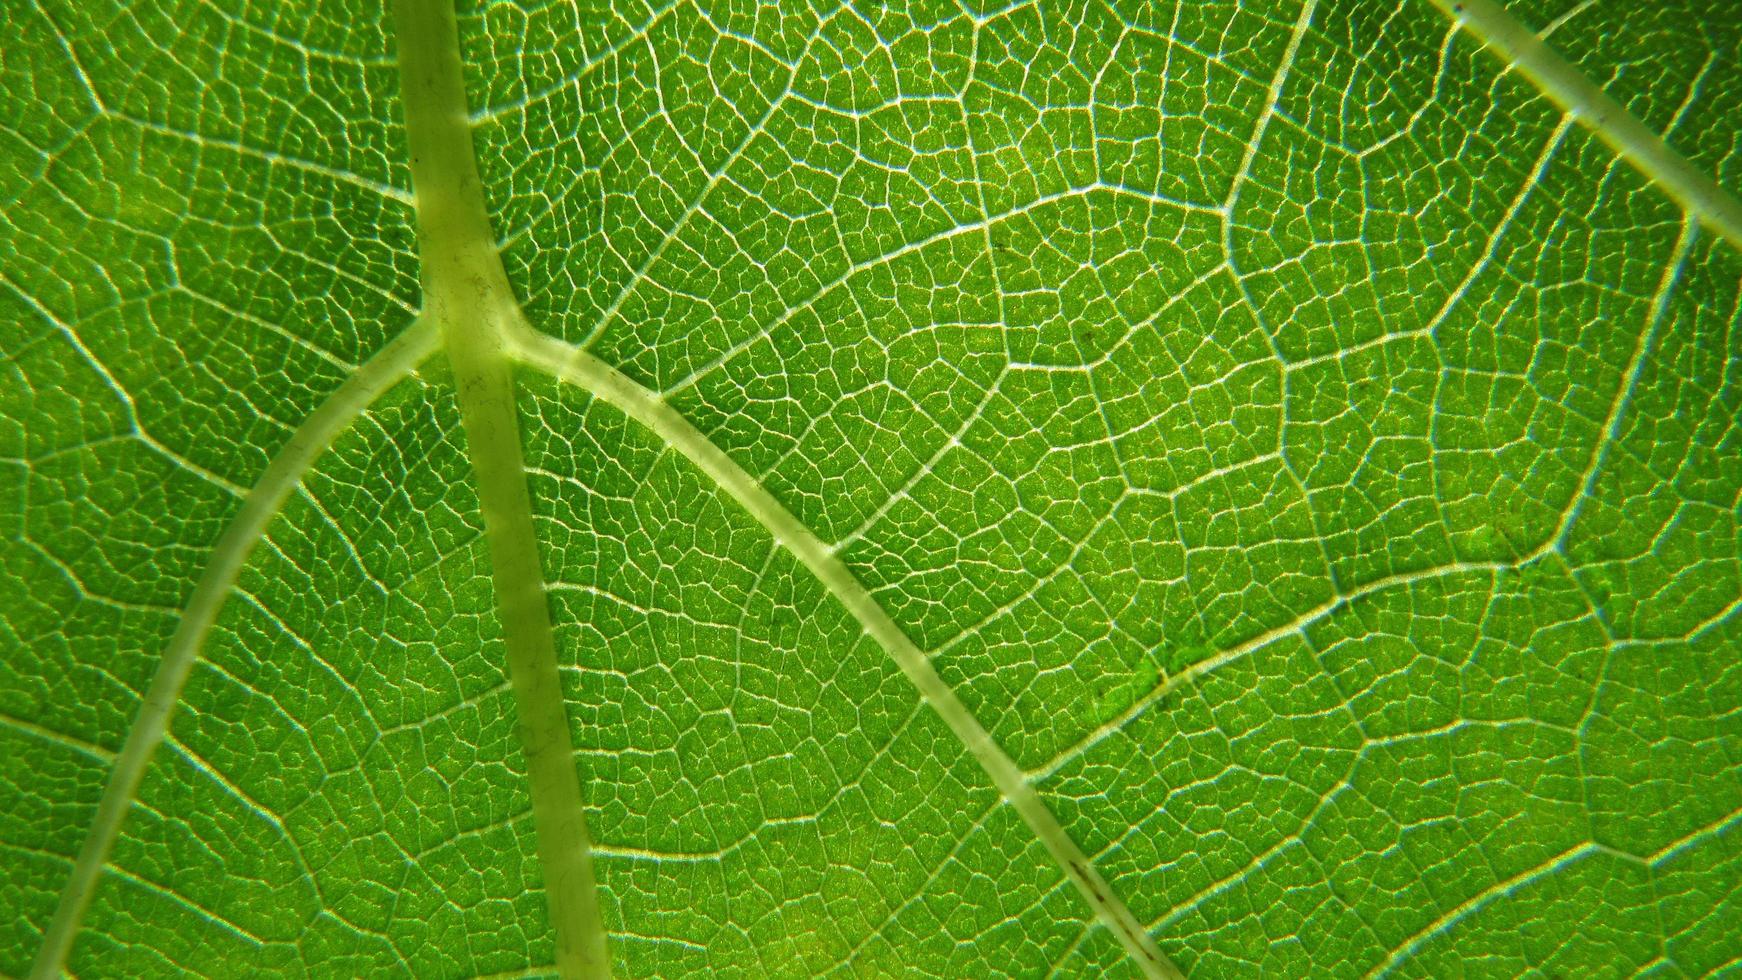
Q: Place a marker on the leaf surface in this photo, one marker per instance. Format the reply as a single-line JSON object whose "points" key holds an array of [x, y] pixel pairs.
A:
{"points": [[1061, 488]]}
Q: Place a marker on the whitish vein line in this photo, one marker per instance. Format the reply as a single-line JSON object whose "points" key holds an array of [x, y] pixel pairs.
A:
{"points": [[1246, 647], [391, 364], [466, 292], [198, 910], [60, 739], [269, 157], [1580, 97], [1610, 433], [1481, 899], [1483, 262], [575, 366], [1271, 99], [1563, 19], [1716, 828], [139, 432]]}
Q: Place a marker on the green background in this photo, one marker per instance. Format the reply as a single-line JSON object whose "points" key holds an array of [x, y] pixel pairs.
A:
{"points": [[1412, 407]]}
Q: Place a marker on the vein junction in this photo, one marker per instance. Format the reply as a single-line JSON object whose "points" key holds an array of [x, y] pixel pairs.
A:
{"points": [[576, 366], [467, 293], [470, 309], [470, 306]]}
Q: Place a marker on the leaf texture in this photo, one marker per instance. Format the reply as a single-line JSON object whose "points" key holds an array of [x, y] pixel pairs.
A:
{"points": [[1082, 489]]}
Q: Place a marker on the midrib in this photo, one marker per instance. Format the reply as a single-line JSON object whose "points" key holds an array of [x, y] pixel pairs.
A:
{"points": [[466, 292]]}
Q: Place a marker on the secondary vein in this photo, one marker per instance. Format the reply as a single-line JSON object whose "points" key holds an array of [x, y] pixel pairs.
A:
{"points": [[467, 293], [389, 365], [576, 366]]}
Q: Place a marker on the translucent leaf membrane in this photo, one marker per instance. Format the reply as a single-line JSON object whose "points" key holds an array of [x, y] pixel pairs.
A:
{"points": [[1310, 454], [767, 794], [200, 240], [341, 791]]}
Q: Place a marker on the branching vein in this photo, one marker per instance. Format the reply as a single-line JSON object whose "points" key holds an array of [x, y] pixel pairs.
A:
{"points": [[576, 366], [261, 504], [1575, 93], [466, 292]]}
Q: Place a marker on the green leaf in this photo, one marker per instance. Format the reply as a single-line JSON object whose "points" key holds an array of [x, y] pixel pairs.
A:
{"points": [[933, 489]]}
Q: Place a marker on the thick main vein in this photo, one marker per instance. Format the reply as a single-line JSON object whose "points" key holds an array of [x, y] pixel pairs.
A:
{"points": [[389, 366], [1584, 100], [467, 294], [576, 366]]}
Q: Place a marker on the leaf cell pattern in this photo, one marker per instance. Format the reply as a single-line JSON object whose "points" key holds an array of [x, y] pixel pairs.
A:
{"points": [[1303, 442]]}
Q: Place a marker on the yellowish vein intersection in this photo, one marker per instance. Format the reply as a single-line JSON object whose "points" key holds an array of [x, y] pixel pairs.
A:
{"points": [[1054, 489]]}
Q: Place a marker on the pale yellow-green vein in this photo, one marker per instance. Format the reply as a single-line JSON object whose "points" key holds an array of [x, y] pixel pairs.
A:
{"points": [[1585, 101], [576, 366], [467, 294], [390, 365]]}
